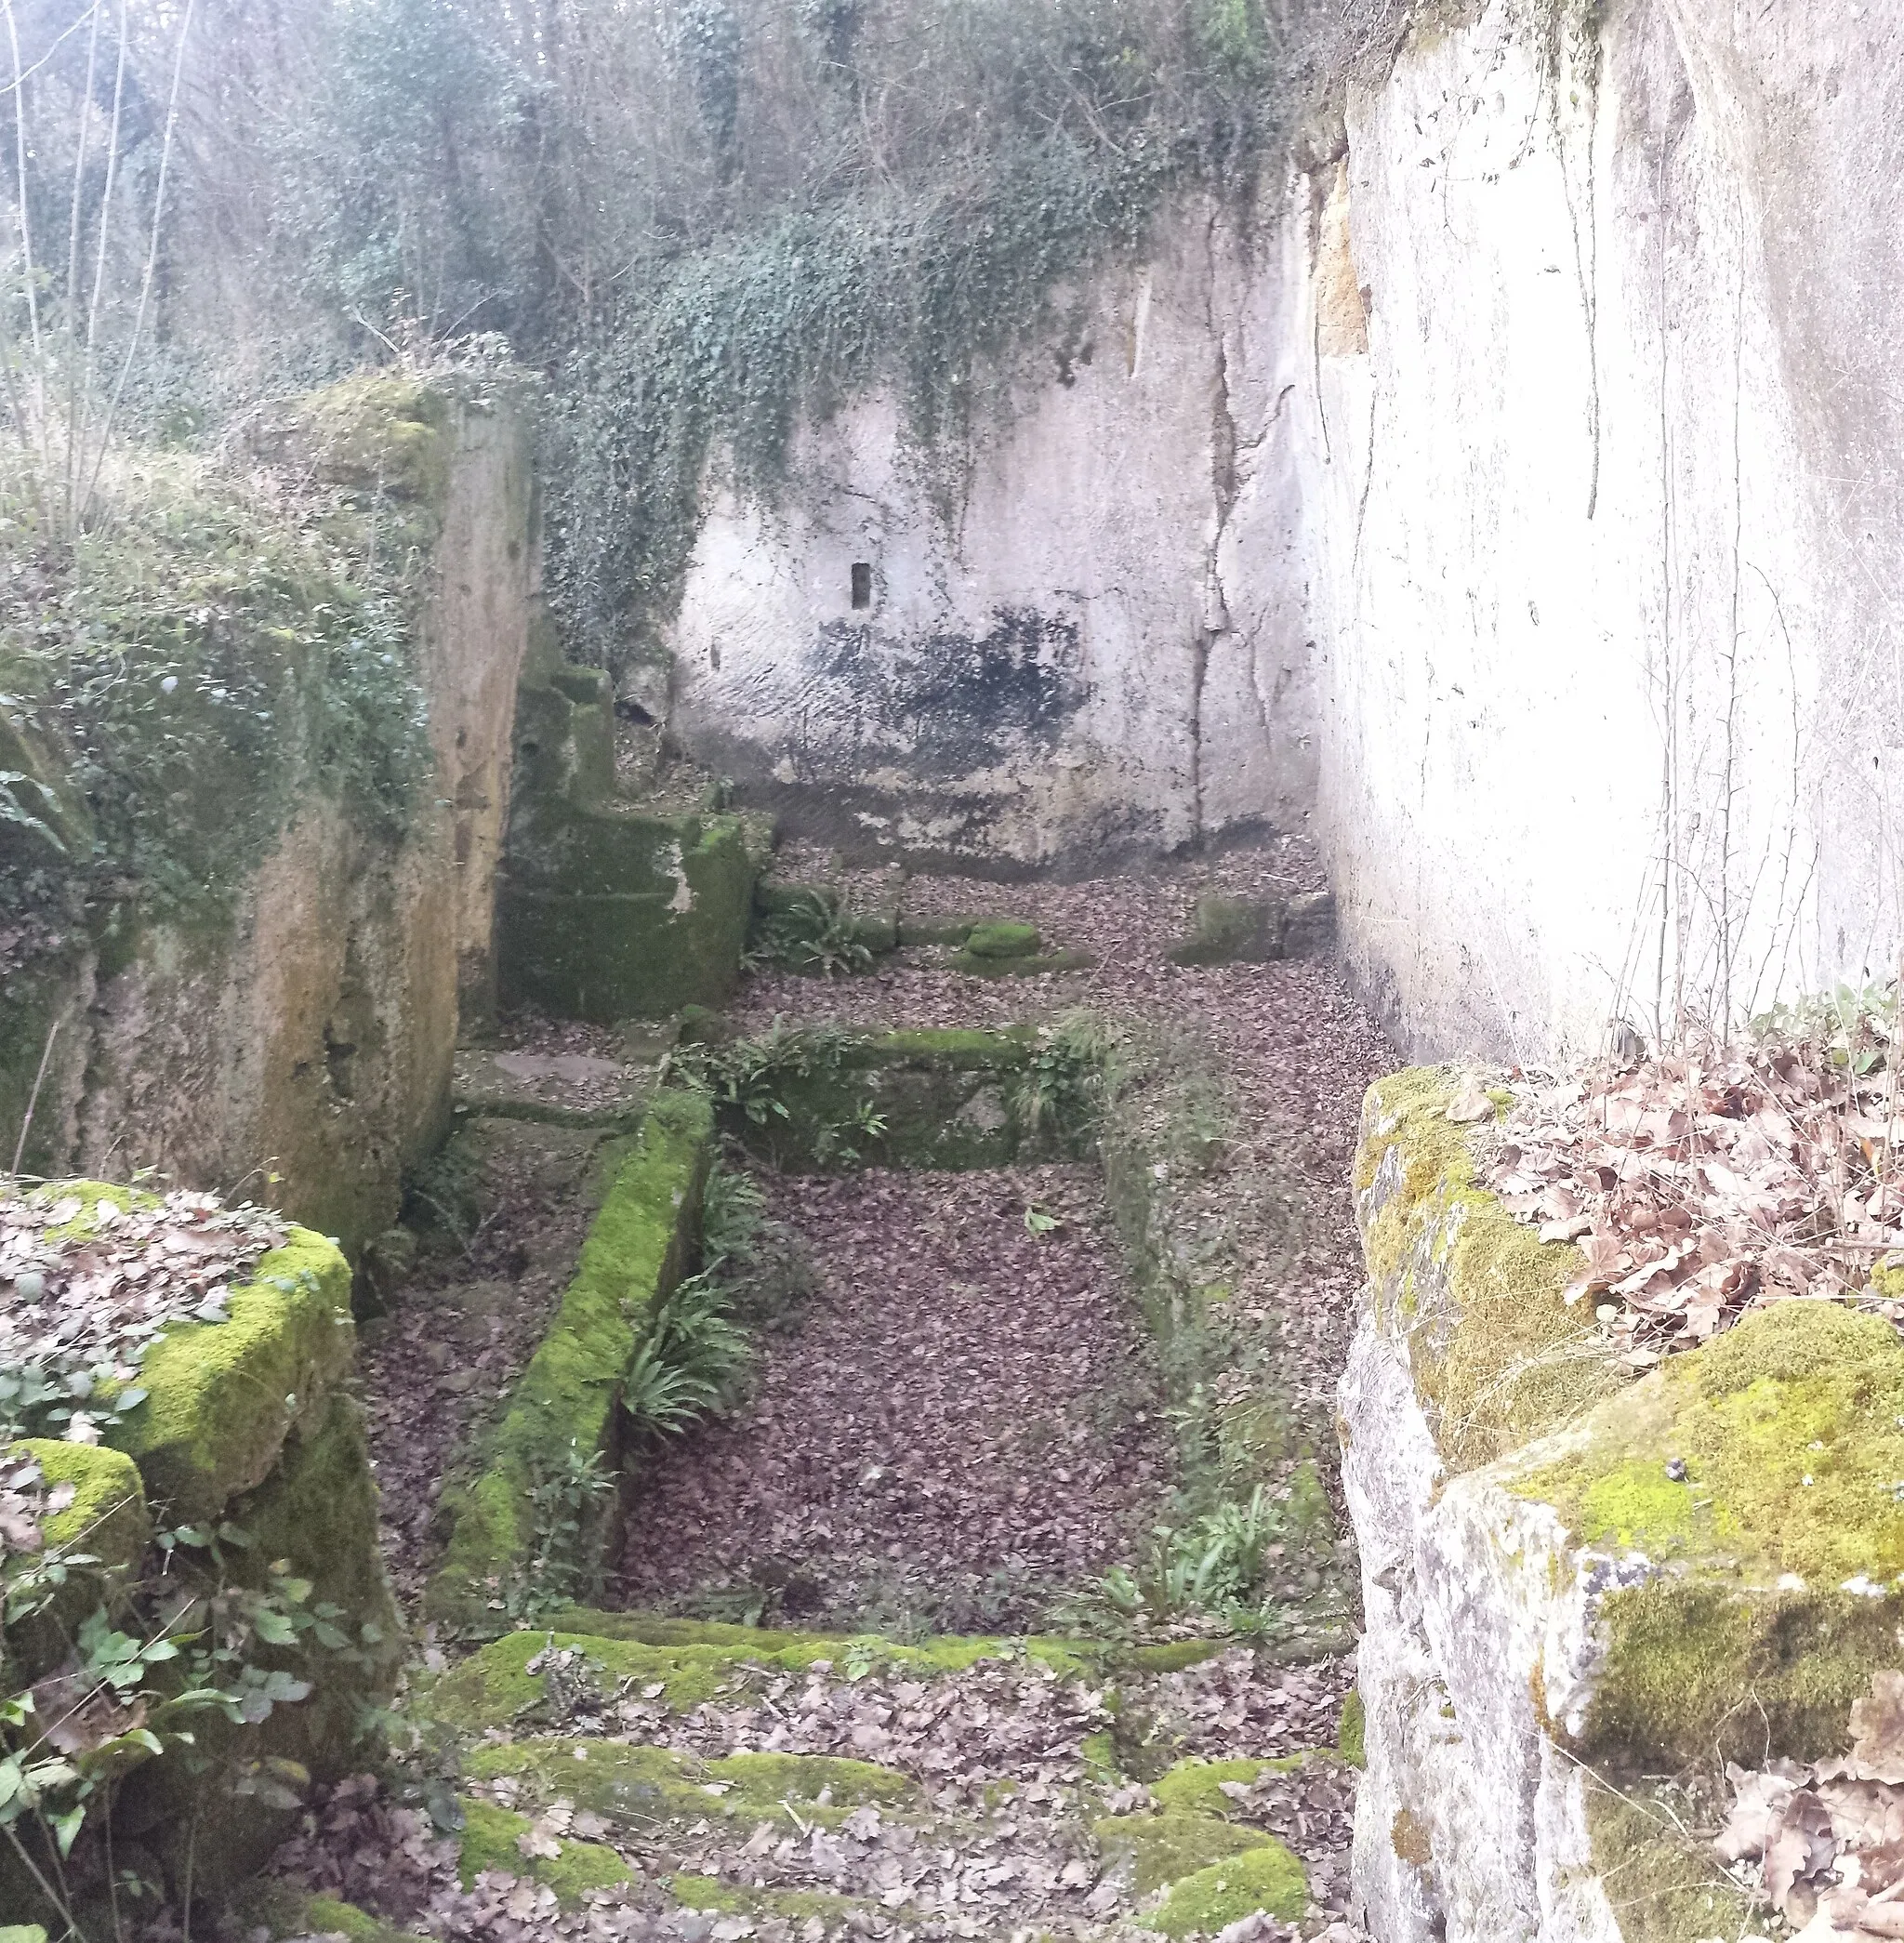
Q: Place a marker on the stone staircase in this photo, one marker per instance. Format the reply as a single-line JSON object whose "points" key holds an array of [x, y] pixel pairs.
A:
{"points": [[731, 1783]]}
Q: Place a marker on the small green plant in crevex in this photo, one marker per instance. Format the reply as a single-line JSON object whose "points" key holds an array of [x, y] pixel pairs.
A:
{"points": [[565, 1497], [814, 932], [1061, 1089], [691, 1360]]}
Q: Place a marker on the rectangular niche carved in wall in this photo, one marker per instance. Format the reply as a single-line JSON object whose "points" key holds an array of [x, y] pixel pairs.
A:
{"points": [[862, 583]]}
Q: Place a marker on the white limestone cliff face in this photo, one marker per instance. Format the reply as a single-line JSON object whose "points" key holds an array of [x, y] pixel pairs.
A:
{"points": [[1610, 707], [1511, 502], [1072, 657]]}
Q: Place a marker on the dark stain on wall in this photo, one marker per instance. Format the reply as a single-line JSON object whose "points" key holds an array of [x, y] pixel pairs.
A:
{"points": [[957, 701]]}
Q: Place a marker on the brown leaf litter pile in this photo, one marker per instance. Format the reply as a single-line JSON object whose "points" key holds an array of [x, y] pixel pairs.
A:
{"points": [[1824, 1843], [79, 1309], [963, 1421], [1700, 1184], [999, 1751]]}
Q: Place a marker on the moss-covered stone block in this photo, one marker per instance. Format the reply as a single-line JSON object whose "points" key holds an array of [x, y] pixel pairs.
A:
{"points": [[107, 1521], [319, 1512], [566, 1403], [926, 1099], [1577, 1576], [223, 1396], [378, 430], [613, 917], [493, 1838], [1002, 937], [1268, 1878], [1228, 931], [1160, 1849], [1035, 965], [1473, 1295], [691, 1661], [1776, 1542], [936, 931]]}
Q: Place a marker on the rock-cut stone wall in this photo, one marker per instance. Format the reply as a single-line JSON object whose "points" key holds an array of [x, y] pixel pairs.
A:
{"points": [[1508, 498], [308, 1034]]}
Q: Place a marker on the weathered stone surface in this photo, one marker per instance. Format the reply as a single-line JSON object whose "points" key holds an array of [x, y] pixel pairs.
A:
{"points": [[604, 912], [313, 1032], [1552, 1614]]}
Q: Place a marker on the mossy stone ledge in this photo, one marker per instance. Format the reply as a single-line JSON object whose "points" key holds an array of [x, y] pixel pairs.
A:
{"points": [[565, 1408], [246, 1424], [1553, 1614]]}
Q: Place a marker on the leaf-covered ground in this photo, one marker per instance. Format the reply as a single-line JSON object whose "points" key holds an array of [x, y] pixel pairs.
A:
{"points": [[1704, 1182], [963, 1418], [993, 1844]]}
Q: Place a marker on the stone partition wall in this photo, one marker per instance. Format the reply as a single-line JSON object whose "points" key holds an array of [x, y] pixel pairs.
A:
{"points": [[1554, 1619]]}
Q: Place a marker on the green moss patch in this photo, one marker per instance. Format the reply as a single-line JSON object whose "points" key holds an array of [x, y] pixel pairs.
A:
{"points": [[1037, 965], [710, 1894], [107, 1521], [1663, 1887], [1268, 1878], [1782, 1549], [638, 1786], [1498, 1357], [1194, 1787], [493, 1689], [566, 1401], [1350, 1728], [1002, 938], [492, 1840], [223, 1396], [826, 1100], [1159, 1849], [1788, 1428], [285, 1913]]}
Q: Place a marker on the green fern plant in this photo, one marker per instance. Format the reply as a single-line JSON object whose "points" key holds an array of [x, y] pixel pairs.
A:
{"points": [[691, 1363], [814, 933]]}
